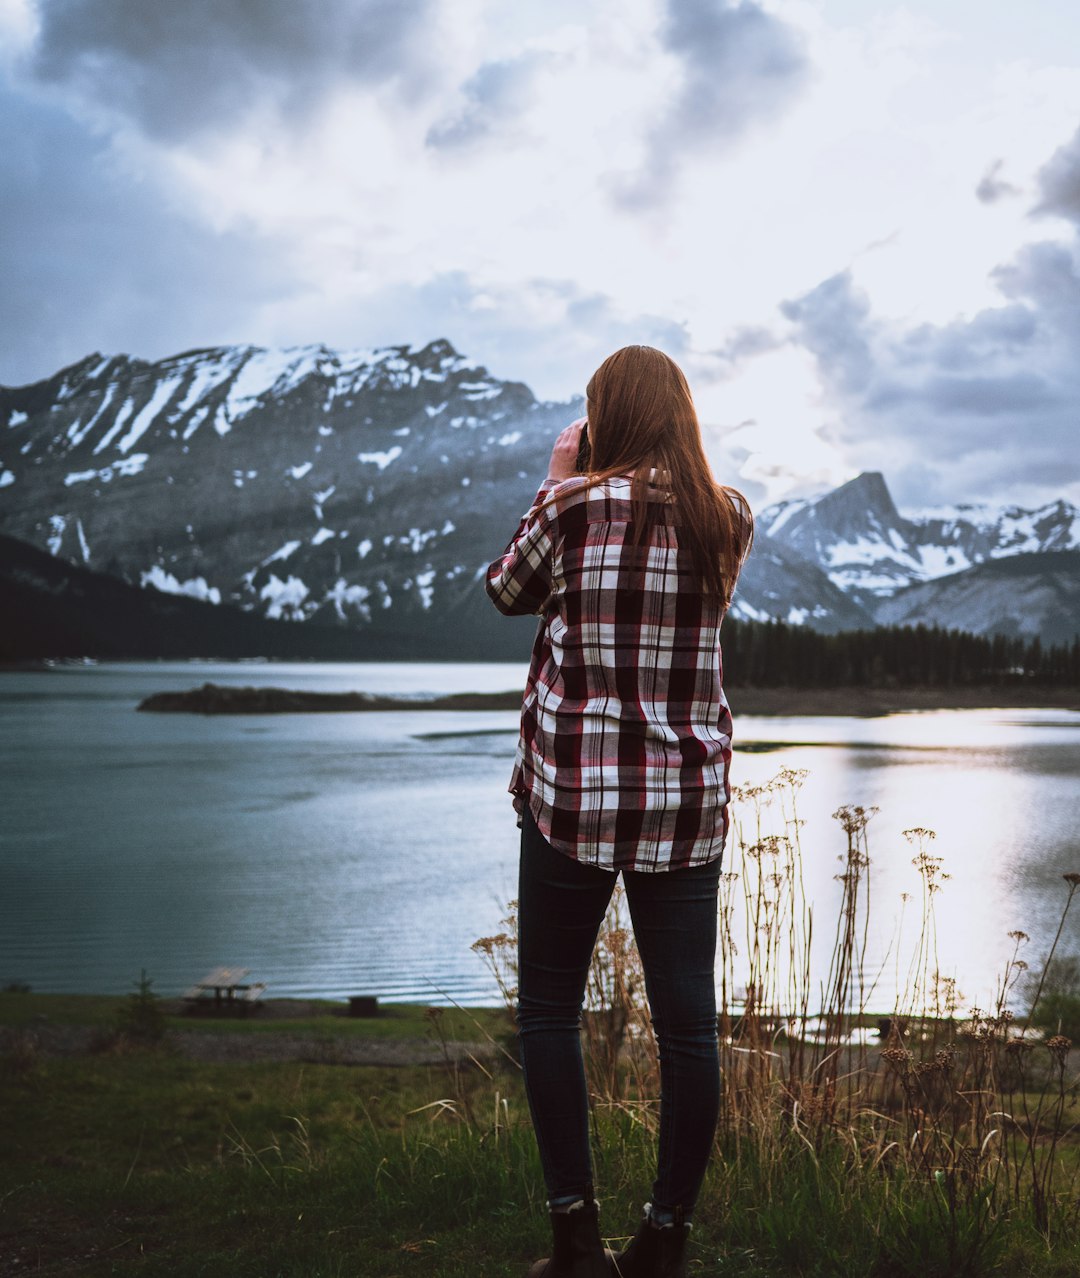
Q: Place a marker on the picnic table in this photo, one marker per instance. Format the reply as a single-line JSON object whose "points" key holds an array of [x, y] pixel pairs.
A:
{"points": [[229, 988]]}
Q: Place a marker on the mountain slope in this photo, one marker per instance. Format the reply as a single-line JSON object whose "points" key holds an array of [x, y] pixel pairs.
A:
{"points": [[1021, 596], [55, 609], [778, 584]]}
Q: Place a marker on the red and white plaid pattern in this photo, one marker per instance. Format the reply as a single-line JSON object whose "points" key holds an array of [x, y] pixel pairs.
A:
{"points": [[625, 737]]}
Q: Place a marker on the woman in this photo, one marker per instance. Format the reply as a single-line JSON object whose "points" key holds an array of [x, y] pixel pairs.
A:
{"points": [[622, 766]]}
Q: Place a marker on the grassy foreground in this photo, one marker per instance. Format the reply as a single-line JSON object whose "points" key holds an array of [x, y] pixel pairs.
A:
{"points": [[133, 1160]]}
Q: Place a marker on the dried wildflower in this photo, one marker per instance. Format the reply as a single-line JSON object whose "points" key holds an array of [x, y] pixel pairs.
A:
{"points": [[854, 858], [1018, 1046], [488, 944], [944, 1058], [917, 833], [754, 793], [1019, 936], [614, 941], [930, 869], [854, 818], [1059, 1047], [1072, 878], [897, 1058]]}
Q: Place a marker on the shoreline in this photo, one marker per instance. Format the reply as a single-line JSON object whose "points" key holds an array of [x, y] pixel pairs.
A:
{"points": [[859, 702], [874, 702]]}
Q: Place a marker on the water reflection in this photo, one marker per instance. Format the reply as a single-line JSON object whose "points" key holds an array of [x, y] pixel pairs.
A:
{"points": [[996, 787], [345, 854]]}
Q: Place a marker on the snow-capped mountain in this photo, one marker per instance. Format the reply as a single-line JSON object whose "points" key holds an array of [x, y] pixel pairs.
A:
{"points": [[364, 488], [870, 550], [368, 490]]}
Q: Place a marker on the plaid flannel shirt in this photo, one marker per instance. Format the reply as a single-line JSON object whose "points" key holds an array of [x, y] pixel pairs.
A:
{"points": [[625, 737]]}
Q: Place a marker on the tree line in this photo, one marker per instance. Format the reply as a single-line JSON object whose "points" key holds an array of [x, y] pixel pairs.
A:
{"points": [[772, 654]]}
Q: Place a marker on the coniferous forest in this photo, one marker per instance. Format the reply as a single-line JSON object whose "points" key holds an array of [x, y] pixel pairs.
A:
{"points": [[772, 654]]}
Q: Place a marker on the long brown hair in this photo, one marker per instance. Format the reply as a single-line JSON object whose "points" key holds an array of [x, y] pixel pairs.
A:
{"points": [[642, 417]]}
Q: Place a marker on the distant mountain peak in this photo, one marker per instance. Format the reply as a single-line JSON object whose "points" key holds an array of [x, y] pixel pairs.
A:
{"points": [[871, 550], [864, 498], [366, 488]]}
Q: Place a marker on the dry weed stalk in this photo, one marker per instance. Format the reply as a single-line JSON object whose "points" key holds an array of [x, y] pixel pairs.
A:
{"points": [[977, 1111]]}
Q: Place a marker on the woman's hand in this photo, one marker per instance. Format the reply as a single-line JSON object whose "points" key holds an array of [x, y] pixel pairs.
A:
{"points": [[563, 462]]}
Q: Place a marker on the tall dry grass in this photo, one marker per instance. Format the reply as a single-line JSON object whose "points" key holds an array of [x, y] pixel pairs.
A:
{"points": [[969, 1103]]}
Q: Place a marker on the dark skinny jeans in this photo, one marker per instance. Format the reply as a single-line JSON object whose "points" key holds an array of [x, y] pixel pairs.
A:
{"points": [[561, 906]]}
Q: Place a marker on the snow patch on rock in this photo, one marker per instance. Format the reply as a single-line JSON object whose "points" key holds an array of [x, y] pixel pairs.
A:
{"points": [[163, 392], [84, 545], [126, 409], [58, 524], [424, 586], [125, 466], [193, 588], [382, 460], [355, 596], [285, 599]]}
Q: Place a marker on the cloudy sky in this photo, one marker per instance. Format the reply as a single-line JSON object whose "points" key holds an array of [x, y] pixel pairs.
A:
{"points": [[855, 223]]}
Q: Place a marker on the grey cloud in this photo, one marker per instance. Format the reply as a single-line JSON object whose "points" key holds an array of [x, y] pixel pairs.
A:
{"points": [[831, 321], [1045, 276], [498, 93], [740, 66], [1059, 182], [980, 406], [992, 186], [183, 68], [727, 360], [91, 260]]}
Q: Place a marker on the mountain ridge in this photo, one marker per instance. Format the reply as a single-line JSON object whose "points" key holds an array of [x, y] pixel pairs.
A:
{"points": [[368, 489]]}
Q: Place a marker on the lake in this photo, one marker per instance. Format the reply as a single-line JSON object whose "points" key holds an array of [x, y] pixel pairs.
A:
{"points": [[339, 854]]}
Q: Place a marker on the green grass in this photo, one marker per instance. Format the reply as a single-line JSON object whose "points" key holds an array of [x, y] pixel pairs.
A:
{"points": [[395, 1020], [141, 1162]]}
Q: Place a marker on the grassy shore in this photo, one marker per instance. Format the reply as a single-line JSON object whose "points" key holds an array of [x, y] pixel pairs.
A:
{"points": [[132, 1159]]}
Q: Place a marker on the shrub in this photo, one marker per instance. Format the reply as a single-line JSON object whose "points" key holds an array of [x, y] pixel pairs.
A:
{"points": [[141, 1019]]}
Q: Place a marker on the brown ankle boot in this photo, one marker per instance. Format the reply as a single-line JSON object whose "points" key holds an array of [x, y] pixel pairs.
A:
{"points": [[577, 1250], [654, 1251]]}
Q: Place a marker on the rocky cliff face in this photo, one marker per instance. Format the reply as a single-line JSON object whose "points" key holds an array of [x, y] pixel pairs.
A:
{"points": [[368, 489]]}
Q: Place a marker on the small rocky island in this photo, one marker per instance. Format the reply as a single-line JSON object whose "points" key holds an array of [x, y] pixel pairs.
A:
{"points": [[213, 698]]}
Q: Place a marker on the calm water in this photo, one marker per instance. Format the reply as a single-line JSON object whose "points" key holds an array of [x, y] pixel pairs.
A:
{"points": [[337, 854]]}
